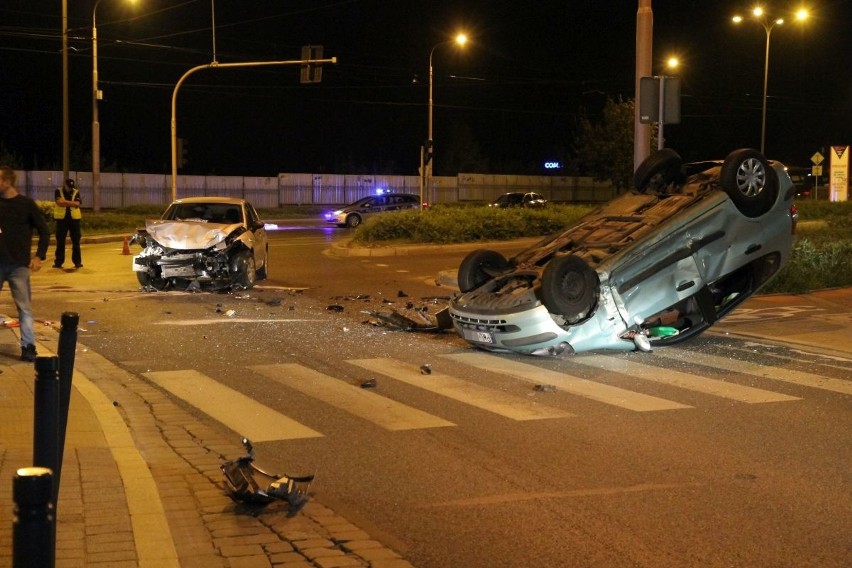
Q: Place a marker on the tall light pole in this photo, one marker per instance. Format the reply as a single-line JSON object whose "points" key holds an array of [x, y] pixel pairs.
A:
{"points": [[768, 25], [96, 126], [461, 40]]}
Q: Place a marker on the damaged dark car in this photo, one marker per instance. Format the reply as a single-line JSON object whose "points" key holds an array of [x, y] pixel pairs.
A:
{"points": [[655, 266], [218, 242]]}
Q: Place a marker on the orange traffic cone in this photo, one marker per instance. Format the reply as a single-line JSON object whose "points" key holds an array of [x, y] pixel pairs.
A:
{"points": [[125, 250]]}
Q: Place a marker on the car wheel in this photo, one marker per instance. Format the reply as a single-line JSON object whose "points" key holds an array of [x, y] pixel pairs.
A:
{"points": [[658, 170], [353, 221], [569, 287], [479, 267], [749, 181], [149, 282], [243, 273], [263, 271]]}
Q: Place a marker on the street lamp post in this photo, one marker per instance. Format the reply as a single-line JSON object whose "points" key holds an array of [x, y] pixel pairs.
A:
{"points": [[460, 39], [768, 26], [96, 126]]}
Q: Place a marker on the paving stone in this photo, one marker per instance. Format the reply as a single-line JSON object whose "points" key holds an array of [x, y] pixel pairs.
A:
{"points": [[338, 562], [373, 554], [312, 543], [249, 562], [241, 550]]}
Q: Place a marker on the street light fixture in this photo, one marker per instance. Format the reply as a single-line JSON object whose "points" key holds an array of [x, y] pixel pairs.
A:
{"points": [[96, 126], [461, 40], [768, 25]]}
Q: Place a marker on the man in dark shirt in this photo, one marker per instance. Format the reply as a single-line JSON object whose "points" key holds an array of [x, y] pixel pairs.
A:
{"points": [[19, 215]]}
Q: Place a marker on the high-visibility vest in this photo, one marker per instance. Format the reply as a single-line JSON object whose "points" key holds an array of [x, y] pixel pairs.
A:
{"points": [[59, 211]]}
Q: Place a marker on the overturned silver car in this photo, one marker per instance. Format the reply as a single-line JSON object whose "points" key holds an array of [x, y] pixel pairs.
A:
{"points": [[655, 266], [217, 241]]}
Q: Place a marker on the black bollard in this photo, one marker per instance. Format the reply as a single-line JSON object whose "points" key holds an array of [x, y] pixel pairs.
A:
{"points": [[46, 415], [66, 350], [34, 521]]}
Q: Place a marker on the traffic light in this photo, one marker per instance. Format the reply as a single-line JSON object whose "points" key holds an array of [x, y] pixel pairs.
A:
{"points": [[427, 152], [311, 72]]}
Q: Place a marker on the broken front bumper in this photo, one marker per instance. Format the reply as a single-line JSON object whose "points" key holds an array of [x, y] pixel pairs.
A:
{"points": [[192, 265], [533, 331]]}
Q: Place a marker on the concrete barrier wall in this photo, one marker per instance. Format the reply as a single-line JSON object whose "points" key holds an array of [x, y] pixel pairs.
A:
{"points": [[127, 189]]}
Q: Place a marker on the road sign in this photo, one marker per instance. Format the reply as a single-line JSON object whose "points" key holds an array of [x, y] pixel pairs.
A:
{"points": [[817, 158], [816, 171]]}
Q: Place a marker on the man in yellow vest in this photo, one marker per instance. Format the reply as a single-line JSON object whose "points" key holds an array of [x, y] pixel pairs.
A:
{"points": [[66, 213]]}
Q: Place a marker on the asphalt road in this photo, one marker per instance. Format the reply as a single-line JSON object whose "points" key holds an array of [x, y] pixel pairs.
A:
{"points": [[728, 451]]}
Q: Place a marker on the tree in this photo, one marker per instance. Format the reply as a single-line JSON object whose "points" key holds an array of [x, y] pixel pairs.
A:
{"points": [[604, 149]]}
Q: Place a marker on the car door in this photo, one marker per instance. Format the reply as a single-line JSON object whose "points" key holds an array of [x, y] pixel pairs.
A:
{"points": [[658, 274], [258, 229]]}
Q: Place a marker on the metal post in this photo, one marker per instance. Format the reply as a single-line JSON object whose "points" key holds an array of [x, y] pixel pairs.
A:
{"points": [[644, 45], [66, 119], [46, 413], [34, 522], [96, 126], [429, 140], [662, 115], [67, 354], [765, 90]]}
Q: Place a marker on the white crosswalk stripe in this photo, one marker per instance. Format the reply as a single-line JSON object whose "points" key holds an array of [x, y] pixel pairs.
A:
{"points": [[763, 371], [359, 402], [261, 423], [568, 383], [243, 415], [669, 376], [492, 400]]}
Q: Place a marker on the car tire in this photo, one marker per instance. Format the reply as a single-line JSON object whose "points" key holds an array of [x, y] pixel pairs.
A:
{"points": [[569, 287], [749, 181], [149, 282], [243, 272], [657, 171], [263, 271], [353, 221], [479, 267]]}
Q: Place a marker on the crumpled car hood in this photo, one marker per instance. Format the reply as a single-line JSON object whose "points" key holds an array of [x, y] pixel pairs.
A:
{"points": [[189, 235]]}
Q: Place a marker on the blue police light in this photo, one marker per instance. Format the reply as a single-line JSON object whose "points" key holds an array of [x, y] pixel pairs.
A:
{"points": [[380, 191], [553, 165]]}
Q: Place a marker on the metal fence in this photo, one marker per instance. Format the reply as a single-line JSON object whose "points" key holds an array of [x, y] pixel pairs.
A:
{"points": [[123, 190]]}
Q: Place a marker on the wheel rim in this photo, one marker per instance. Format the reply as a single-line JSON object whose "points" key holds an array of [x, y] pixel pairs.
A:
{"points": [[573, 286], [751, 177]]}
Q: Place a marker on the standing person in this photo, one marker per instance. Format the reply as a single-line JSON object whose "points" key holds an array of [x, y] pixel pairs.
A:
{"points": [[66, 213], [19, 215]]}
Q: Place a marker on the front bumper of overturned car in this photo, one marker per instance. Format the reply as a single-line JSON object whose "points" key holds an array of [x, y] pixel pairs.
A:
{"points": [[531, 330]]}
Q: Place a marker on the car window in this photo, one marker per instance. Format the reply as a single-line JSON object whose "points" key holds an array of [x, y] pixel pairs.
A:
{"points": [[251, 214]]}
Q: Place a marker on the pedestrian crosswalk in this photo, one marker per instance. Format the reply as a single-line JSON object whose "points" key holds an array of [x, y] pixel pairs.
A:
{"points": [[610, 380]]}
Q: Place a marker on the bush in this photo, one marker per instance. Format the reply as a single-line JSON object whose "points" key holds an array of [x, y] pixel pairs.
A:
{"points": [[445, 225]]}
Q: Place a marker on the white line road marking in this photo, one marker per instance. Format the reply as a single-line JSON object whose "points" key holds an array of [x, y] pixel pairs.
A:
{"points": [[355, 400], [226, 319], [763, 371], [696, 383], [235, 410], [510, 406], [575, 385]]}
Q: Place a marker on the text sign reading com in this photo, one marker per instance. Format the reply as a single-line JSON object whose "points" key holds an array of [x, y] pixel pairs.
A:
{"points": [[553, 165]]}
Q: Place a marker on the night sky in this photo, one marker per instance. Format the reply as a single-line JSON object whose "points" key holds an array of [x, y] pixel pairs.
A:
{"points": [[516, 90]]}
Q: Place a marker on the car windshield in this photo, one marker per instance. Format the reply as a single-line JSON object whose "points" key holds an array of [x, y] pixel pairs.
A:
{"points": [[225, 213]]}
